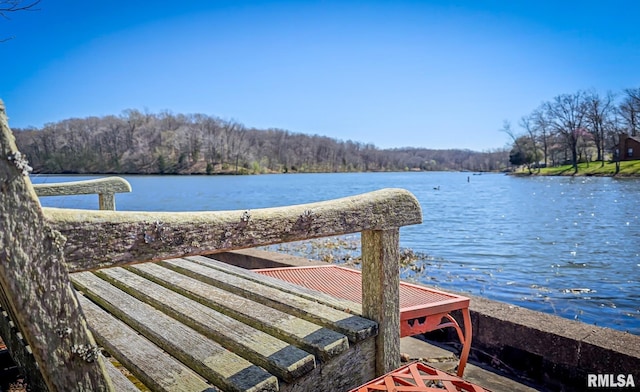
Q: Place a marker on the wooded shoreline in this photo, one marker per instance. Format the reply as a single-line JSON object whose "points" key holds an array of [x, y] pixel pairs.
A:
{"points": [[167, 143], [628, 170]]}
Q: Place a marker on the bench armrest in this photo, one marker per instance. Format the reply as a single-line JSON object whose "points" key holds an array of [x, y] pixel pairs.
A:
{"points": [[105, 188]]}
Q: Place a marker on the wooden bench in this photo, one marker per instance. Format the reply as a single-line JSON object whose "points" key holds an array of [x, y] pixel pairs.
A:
{"points": [[176, 320]]}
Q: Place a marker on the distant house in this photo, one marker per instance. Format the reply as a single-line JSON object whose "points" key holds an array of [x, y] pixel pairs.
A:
{"points": [[628, 148]]}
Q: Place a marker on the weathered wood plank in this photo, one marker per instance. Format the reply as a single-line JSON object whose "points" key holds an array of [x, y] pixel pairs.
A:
{"points": [[35, 282], [354, 327], [97, 239], [313, 295], [381, 294], [146, 361], [120, 382], [278, 357], [107, 201], [205, 356], [348, 370], [321, 341]]}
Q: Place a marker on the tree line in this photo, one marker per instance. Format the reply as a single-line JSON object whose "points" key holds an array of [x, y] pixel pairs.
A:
{"points": [[571, 128], [137, 142]]}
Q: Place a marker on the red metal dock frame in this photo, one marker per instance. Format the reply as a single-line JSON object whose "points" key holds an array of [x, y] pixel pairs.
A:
{"points": [[418, 377]]}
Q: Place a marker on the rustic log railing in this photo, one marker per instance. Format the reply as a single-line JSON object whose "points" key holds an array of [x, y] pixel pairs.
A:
{"points": [[41, 246], [105, 188]]}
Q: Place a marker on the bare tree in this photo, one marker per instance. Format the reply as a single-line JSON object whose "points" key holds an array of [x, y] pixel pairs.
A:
{"points": [[238, 144], [598, 113], [9, 6], [518, 154], [529, 125], [567, 116], [615, 129], [544, 131], [630, 110]]}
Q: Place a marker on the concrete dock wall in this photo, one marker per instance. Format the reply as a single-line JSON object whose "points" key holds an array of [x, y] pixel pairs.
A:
{"points": [[551, 350]]}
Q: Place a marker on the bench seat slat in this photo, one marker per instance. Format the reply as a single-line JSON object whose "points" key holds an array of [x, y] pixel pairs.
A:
{"points": [[278, 357], [119, 380], [211, 360], [322, 341], [156, 369], [313, 295], [354, 327]]}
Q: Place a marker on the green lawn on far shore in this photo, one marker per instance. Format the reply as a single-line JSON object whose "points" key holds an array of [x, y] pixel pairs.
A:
{"points": [[627, 169]]}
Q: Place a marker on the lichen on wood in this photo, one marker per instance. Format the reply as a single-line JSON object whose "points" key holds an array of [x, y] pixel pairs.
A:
{"points": [[98, 239], [105, 188], [381, 294], [35, 283], [86, 187]]}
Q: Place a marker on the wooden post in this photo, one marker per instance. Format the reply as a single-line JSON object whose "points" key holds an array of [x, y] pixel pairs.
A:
{"points": [[35, 283], [381, 294], [107, 201]]}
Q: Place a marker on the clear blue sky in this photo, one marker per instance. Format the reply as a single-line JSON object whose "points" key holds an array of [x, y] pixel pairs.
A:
{"points": [[435, 74]]}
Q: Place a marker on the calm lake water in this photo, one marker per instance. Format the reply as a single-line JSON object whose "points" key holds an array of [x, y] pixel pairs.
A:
{"points": [[561, 245]]}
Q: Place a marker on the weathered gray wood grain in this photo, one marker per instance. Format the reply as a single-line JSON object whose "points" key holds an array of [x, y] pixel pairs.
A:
{"points": [[313, 295], [354, 327], [146, 361], [321, 341], [211, 360], [278, 357], [381, 294], [35, 282], [105, 188], [348, 370], [97, 239], [107, 201], [120, 382], [84, 187]]}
